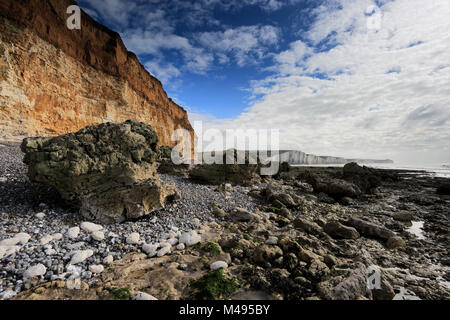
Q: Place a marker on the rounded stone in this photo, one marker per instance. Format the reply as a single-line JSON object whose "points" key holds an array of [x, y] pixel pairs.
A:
{"points": [[218, 264]]}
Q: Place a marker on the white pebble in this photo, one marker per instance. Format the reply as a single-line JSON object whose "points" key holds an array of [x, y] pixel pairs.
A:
{"points": [[35, 271], [73, 233], [189, 238], [98, 235], [150, 249], [196, 222], [57, 236], [90, 227], [163, 251], [6, 251], [218, 264], [133, 238], [50, 252], [172, 241], [8, 294], [20, 238], [143, 296], [45, 239], [181, 246], [81, 255], [96, 268], [108, 260], [40, 215]]}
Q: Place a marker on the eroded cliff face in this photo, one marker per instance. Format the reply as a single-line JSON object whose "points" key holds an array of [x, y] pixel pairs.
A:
{"points": [[54, 80]]}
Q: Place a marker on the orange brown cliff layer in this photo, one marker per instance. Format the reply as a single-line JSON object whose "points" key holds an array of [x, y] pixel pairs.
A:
{"points": [[54, 80]]}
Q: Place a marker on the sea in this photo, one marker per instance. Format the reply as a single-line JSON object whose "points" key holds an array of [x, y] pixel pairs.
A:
{"points": [[433, 170]]}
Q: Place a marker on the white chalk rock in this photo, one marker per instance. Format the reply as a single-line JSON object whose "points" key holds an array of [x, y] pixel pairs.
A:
{"points": [[8, 294], [81, 255], [98, 235], [189, 238], [150, 249], [141, 296], [57, 236], [172, 241], [6, 251], [90, 227], [46, 239], [133, 238], [108, 260], [218, 264], [163, 251], [181, 246], [196, 222], [96, 268], [50, 252], [73, 233], [18, 239], [34, 271], [40, 215]]}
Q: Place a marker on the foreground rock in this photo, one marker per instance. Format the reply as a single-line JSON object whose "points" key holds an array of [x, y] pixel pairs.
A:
{"points": [[107, 171]]}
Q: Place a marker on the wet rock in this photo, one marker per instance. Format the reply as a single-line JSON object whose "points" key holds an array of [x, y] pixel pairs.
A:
{"points": [[243, 215], [225, 187], [352, 287], [336, 188], [395, 242], [107, 171], [286, 213], [317, 269], [218, 212], [369, 229], [384, 292], [365, 178], [266, 253], [403, 216], [307, 226], [339, 231], [444, 189]]}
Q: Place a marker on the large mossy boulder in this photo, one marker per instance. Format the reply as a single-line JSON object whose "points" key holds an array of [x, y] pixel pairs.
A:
{"points": [[107, 171]]}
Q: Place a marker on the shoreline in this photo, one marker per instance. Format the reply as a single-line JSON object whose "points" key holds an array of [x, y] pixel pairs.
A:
{"points": [[276, 254]]}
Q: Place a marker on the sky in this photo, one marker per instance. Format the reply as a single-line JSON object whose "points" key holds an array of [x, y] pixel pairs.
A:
{"points": [[350, 78]]}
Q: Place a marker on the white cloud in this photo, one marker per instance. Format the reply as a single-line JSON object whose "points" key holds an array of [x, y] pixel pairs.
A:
{"points": [[163, 72], [243, 43], [363, 110]]}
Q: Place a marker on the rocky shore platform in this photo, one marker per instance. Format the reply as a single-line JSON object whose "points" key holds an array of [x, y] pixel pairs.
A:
{"points": [[308, 233]]}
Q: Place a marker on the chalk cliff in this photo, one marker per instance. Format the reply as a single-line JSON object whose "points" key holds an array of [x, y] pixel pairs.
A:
{"points": [[298, 157], [54, 80]]}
